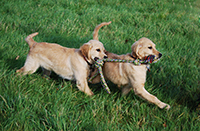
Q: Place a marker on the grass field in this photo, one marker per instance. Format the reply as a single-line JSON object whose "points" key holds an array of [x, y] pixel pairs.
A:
{"points": [[34, 103]]}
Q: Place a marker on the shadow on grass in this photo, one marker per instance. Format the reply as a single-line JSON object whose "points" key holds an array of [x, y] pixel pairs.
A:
{"points": [[181, 95], [186, 96], [97, 88], [191, 99]]}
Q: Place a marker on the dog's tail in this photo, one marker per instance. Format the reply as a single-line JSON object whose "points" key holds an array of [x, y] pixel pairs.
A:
{"points": [[29, 39], [96, 30]]}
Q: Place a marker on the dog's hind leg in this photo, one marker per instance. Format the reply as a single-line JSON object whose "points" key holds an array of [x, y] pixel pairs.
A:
{"points": [[29, 67]]}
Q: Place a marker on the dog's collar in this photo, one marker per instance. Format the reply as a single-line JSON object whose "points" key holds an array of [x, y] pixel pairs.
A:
{"points": [[87, 61], [91, 66], [133, 57]]}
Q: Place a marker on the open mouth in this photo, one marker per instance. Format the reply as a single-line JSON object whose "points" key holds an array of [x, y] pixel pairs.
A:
{"points": [[152, 58], [96, 58]]}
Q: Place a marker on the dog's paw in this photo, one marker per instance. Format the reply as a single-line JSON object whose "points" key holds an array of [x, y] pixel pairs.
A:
{"points": [[90, 93], [166, 106], [163, 105], [18, 72]]}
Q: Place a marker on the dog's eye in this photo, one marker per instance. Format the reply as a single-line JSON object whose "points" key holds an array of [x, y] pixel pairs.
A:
{"points": [[98, 50], [150, 47]]}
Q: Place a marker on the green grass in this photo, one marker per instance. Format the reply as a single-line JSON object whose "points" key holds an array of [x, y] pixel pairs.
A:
{"points": [[33, 103]]}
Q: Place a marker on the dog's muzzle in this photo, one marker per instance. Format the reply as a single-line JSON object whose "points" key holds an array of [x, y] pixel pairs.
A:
{"points": [[96, 58]]}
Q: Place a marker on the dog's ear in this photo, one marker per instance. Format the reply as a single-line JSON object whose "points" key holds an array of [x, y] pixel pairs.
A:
{"points": [[135, 49], [85, 50]]}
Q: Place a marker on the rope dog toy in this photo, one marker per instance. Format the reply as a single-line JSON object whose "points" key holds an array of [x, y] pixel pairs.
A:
{"points": [[99, 63]]}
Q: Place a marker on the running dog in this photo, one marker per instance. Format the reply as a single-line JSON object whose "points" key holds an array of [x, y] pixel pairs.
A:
{"points": [[69, 63], [130, 76]]}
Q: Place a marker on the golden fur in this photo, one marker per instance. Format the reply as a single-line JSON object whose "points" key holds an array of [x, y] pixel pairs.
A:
{"points": [[130, 76], [69, 63]]}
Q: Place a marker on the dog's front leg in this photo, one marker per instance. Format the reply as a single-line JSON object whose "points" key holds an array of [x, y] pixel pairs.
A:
{"points": [[82, 85], [140, 91], [29, 67]]}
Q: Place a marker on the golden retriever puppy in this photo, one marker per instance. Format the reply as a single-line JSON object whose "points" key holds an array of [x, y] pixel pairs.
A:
{"points": [[130, 76], [69, 63]]}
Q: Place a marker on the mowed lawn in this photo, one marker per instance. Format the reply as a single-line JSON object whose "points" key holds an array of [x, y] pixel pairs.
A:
{"points": [[32, 102]]}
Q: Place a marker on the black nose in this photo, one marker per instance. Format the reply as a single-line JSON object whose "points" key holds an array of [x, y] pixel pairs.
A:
{"points": [[105, 57], [160, 55]]}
